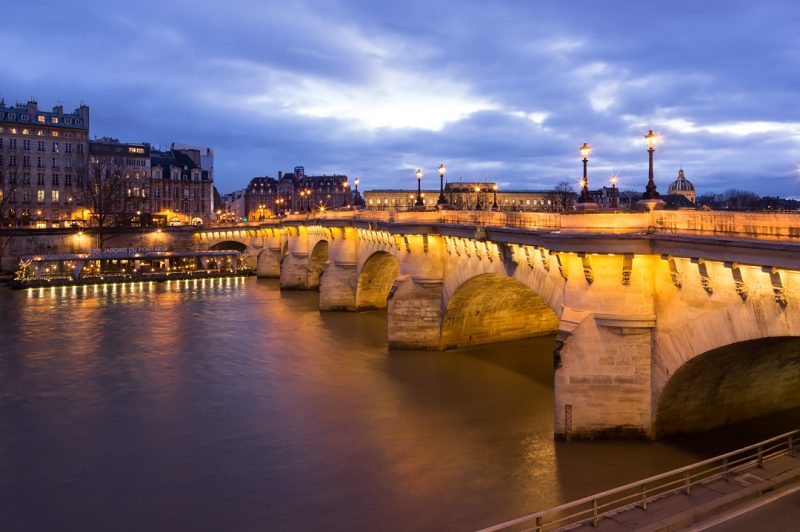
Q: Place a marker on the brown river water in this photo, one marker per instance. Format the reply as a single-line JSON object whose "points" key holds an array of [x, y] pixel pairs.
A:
{"points": [[230, 405]]}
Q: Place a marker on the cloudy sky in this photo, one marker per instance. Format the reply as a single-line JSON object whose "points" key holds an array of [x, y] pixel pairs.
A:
{"points": [[505, 91]]}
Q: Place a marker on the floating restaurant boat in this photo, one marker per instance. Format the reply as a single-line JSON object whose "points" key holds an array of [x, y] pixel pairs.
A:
{"points": [[126, 265]]}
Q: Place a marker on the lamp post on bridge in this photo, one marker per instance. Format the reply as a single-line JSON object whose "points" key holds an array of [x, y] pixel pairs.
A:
{"points": [[585, 203], [357, 200], [494, 203], [419, 204], [651, 199], [441, 202], [477, 197], [614, 193]]}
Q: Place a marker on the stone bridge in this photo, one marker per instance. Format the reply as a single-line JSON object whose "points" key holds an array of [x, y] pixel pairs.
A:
{"points": [[665, 322]]}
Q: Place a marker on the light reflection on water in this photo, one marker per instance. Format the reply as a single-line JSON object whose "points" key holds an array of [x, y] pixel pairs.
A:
{"points": [[227, 404]]}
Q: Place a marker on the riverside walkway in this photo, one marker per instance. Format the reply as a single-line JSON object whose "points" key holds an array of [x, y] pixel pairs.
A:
{"points": [[678, 499]]}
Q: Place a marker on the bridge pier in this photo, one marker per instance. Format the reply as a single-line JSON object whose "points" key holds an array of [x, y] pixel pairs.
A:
{"points": [[603, 375], [415, 313], [269, 260], [337, 289]]}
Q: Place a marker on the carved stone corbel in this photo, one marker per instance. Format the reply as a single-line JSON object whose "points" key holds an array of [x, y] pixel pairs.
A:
{"points": [[705, 280], [588, 273], [738, 281], [777, 285], [627, 268], [561, 266], [543, 255]]}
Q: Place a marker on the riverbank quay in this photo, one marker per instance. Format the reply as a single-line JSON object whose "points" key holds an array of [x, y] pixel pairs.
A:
{"points": [[678, 499]]}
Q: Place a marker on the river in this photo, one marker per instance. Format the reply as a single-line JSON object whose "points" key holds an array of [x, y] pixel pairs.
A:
{"points": [[230, 405]]}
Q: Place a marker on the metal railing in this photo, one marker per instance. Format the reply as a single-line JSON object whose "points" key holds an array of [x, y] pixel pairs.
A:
{"points": [[591, 509]]}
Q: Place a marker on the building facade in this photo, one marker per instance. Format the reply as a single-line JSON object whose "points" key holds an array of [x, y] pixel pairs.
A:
{"points": [[290, 192], [43, 155], [126, 167], [182, 191], [466, 196]]}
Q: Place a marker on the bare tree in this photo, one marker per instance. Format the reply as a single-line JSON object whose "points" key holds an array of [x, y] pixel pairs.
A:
{"points": [[101, 185], [8, 190], [562, 197]]}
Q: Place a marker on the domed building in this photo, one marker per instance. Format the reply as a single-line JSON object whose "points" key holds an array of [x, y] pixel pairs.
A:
{"points": [[683, 187]]}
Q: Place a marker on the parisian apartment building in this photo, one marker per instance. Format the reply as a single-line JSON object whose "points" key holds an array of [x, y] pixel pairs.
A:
{"points": [[44, 156], [41, 156], [289, 192]]}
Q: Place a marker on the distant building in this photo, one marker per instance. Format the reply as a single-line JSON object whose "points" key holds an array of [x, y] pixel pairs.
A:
{"points": [[132, 162], [290, 192], [683, 187], [41, 154], [183, 191], [466, 196]]}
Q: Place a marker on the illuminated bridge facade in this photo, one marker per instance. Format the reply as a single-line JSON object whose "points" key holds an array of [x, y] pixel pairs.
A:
{"points": [[665, 322]]}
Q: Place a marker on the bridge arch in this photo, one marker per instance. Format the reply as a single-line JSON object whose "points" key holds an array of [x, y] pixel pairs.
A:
{"points": [[375, 280], [229, 245], [491, 307], [737, 382], [317, 260]]}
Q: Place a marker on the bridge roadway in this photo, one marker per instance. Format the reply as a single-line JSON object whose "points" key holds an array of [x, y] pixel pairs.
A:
{"points": [[666, 322]]}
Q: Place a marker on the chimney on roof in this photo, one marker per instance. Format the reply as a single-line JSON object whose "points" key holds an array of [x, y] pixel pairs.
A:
{"points": [[280, 174]]}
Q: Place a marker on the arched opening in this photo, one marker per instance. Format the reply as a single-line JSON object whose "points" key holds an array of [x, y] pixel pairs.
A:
{"points": [[494, 308], [229, 245], [375, 280], [316, 263], [737, 382]]}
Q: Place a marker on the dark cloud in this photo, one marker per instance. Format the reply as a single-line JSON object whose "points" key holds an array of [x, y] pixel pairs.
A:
{"points": [[499, 90]]}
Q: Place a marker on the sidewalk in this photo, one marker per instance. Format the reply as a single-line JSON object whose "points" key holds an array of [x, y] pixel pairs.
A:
{"points": [[679, 511]]}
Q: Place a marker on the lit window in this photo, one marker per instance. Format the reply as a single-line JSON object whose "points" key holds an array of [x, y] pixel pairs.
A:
{"points": [[54, 133], [527, 202], [40, 119], [26, 131], [40, 196], [54, 120], [55, 196]]}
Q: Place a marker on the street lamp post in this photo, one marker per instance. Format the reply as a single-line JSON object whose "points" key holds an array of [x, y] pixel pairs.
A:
{"points": [[441, 202], [357, 201], [614, 202], [346, 188], [419, 202], [477, 197], [650, 191], [585, 203], [494, 202], [585, 150]]}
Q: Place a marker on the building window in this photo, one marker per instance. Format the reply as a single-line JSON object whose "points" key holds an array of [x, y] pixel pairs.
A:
{"points": [[40, 196], [68, 180], [40, 145], [54, 120], [40, 179], [54, 195], [12, 143], [55, 147], [54, 133], [12, 160], [26, 145], [39, 162], [55, 163], [157, 192], [80, 149], [26, 161], [40, 119], [55, 179]]}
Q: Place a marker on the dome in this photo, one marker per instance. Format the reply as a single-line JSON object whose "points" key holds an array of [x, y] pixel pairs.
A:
{"points": [[681, 184]]}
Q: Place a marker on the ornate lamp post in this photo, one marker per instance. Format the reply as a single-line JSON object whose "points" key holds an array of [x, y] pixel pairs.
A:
{"points": [[441, 202], [356, 182], [346, 188], [477, 197], [585, 150], [650, 191], [614, 202], [419, 202], [494, 202]]}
